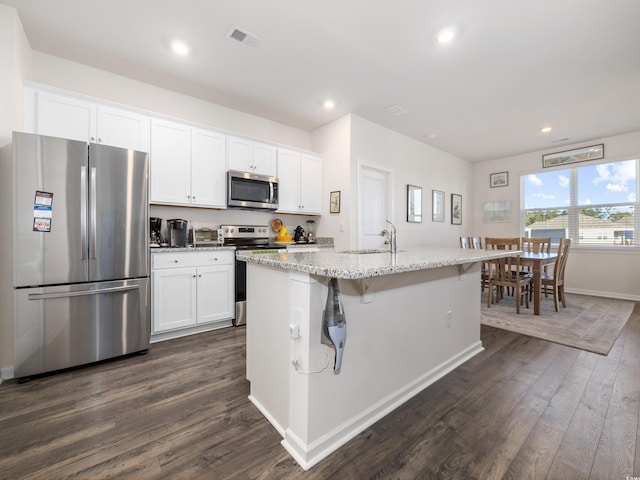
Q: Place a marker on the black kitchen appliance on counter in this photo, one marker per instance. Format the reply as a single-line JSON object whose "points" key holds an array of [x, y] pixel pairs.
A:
{"points": [[155, 226], [246, 237], [178, 232]]}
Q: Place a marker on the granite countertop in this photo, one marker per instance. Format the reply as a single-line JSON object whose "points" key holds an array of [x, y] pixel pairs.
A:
{"points": [[189, 249], [374, 263]]}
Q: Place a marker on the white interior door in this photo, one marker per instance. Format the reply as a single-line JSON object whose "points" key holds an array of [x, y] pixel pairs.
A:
{"points": [[374, 208]]}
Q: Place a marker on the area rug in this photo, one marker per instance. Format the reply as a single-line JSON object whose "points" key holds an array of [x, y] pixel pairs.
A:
{"points": [[588, 323]]}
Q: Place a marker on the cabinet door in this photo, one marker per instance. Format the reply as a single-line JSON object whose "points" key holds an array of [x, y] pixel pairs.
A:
{"points": [[216, 293], [264, 159], [208, 171], [289, 181], [174, 298], [311, 184], [170, 163], [123, 128], [239, 154], [66, 117]]}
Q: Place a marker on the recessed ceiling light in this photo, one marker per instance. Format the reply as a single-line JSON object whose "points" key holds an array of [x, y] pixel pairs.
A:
{"points": [[446, 35], [329, 104], [179, 47], [545, 129]]}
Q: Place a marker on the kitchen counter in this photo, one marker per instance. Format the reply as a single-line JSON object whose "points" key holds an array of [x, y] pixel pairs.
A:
{"points": [[352, 265], [411, 318], [189, 249]]}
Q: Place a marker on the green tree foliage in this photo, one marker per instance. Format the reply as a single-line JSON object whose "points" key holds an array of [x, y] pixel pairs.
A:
{"points": [[542, 215]]}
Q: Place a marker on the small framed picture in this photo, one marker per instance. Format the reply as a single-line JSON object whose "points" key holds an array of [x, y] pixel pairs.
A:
{"points": [[334, 202], [456, 209], [500, 179], [437, 206]]}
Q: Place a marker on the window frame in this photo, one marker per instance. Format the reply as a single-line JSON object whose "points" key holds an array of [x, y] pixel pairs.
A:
{"points": [[573, 226]]}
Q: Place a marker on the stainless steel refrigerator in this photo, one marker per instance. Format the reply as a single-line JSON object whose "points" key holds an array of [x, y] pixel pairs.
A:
{"points": [[80, 253]]}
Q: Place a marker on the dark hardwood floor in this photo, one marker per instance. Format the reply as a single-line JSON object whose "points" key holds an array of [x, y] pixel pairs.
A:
{"points": [[523, 408]]}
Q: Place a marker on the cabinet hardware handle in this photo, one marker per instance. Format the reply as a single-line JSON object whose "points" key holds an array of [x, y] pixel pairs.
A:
{"points": [[93, 139], [200, 276], [175, 261], [194, 276], [99, 140]]}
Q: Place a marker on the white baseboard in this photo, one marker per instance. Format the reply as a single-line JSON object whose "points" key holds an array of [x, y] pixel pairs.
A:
{"points": [[183, 332], [307, 455], [267, 415], [6, 373], [596, 293]]}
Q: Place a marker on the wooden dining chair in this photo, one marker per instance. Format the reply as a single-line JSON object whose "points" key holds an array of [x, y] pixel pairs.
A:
{"points": [[476, 244], [507, 272], [536, 245], [554, 283]]}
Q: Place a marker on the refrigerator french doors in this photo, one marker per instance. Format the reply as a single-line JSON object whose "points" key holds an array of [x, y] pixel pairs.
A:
{"points": [[81, 264]]}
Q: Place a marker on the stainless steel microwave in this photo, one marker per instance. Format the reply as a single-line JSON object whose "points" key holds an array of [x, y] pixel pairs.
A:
{"points": [[251, 191]]}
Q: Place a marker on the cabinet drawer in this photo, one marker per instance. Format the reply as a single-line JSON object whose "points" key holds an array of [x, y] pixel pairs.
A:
{"points": [[192, 259]]}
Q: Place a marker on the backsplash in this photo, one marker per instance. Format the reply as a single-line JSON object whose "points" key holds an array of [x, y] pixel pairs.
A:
{"points": [[207, 217]]}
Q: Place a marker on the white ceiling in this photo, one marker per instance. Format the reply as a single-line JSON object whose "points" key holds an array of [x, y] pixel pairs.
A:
{"points": [[516, 65]]}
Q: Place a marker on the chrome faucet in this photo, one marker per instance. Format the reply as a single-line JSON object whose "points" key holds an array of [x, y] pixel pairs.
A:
{"points": [[391, 235]]}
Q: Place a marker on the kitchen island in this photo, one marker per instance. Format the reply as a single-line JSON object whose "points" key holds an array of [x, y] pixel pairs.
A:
{"points": [[411, 317]]}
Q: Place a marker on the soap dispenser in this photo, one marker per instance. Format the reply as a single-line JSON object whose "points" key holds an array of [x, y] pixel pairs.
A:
{"points": [[334, 323]]}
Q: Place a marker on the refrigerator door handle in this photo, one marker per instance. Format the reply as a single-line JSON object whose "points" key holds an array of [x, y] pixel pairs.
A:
{"points": [[83, 212], [44, 296], [92, 202]]}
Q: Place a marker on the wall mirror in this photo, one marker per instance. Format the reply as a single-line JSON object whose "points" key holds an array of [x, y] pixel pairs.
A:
{"points": [[414, 204]]}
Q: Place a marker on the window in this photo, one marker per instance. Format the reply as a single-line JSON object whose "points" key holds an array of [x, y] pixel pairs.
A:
{"points": [[595, 204]]}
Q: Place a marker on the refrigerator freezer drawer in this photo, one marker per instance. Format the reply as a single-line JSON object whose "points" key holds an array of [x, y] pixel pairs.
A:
{"points": [[65, 326]]}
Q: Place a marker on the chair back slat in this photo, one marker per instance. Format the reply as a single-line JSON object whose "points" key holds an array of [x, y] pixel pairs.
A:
{"points": [[536, 245], [465, 242], [476, 243], [561, 261]]}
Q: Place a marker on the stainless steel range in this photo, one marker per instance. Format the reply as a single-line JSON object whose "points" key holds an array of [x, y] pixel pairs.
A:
{"points": [[246, 237]]}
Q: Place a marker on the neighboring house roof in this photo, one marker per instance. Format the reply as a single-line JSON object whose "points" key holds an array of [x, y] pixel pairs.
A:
{"points": [[561, 221]]}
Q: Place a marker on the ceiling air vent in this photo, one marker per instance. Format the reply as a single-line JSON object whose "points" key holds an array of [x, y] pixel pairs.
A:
{"points": [[245, 38], [395, 110]]}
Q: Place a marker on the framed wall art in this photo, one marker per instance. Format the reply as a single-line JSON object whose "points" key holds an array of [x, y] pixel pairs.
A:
{"points": [[500, 179], [414, 204], [437, 206], [334, 202], [456, 209], [497, 212], [593, 152]]}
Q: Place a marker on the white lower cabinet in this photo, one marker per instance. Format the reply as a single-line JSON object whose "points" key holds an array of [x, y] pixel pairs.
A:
{"points": [[190, 289]]}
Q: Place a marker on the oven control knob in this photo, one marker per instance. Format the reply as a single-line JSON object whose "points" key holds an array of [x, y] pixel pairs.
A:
{"points": [[226, 230]]}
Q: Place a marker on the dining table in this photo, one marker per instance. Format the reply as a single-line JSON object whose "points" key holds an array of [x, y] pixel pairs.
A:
{"points": [[537, 261]]}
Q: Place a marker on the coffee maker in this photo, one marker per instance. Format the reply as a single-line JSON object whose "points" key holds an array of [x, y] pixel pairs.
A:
{"points": [[178, 232], [155, 225]]}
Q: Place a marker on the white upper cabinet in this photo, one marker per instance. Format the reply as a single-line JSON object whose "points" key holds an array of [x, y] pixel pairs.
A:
{"points": [[300, 182], [77, 119], [123, 128], [170, 163], [187, 165], [249, 156]]}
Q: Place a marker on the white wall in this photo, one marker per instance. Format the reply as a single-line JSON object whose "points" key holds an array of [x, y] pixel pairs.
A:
{"points": [[75, 77], [412, 162], [334, 140], [15, 58], [590, 271]]}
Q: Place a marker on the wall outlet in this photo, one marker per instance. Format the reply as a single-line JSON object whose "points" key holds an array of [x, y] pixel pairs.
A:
{"points": [[294, 331], [449, 317]]}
